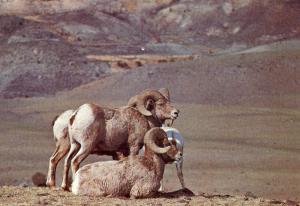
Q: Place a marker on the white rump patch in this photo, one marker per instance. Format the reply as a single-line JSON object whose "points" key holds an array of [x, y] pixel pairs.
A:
{"points": [[83, 119], [61, 123]]}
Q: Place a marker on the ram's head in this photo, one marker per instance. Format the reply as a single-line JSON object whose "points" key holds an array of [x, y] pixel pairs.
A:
{"points": [[155, 103], [157, 141]]}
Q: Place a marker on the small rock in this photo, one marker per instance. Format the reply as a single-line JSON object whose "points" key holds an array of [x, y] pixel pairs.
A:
{"points": [[214, 32], [250, 194], [150, 73], [24, 184], [227, 8], [225, 24], [35, 51], [42, 201], [187, 198], [182, 201], [277, 202], [43, 194], [39, 179], [291, 203], [236, 30]]}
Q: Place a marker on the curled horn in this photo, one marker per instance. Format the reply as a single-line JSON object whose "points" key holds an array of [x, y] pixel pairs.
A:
{"points": [[165, 92], [141, 99], [156, 134], [132, 101]]}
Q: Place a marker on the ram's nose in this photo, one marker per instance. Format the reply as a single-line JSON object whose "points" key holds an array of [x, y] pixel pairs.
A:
{"points": [[175, 113], [179, 157]]}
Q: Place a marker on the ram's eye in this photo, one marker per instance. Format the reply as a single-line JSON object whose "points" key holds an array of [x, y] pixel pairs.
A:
{"points": [[160, 102], [168, 144]]}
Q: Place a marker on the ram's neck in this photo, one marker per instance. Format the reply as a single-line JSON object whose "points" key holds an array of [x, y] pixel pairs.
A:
{"points": [[158, 163], [154, 122]]}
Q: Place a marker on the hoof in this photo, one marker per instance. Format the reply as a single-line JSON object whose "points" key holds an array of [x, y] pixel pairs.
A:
{"points": [[65, 188], [133, 197], [50, 184]]}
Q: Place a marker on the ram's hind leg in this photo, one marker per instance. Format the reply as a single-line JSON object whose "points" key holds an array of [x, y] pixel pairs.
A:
{"points": [[73, 150], [84, 151], [62, 148]]}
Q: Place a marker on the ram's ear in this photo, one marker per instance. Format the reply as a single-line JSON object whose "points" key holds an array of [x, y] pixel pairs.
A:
{"points": [[173, 141], [150, 104], [165, 92]]}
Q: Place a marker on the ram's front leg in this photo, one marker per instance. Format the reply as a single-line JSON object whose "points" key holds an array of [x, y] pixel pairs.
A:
{"points": [[61, 150], [179, 165], [161, 188], [143, 189]]}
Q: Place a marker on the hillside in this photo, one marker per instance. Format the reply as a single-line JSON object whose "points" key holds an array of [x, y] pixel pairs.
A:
{"points": [[239, 78], [46, 45]]}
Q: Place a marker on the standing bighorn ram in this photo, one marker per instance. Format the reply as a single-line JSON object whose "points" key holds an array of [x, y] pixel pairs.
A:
{"points": [[118, 132]]}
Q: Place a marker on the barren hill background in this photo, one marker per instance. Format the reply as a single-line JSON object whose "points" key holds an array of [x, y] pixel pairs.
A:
{"points": [[45, 45], [232, 67]]}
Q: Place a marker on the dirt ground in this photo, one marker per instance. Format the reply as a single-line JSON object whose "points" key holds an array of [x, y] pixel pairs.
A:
{"points": [[45, 196]]}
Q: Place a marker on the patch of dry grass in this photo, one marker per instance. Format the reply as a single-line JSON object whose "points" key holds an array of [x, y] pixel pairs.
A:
{"points": [[44, 196]]}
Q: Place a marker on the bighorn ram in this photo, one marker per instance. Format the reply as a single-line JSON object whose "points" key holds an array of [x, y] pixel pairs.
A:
{"points": [[135, 176], [95, 129]]}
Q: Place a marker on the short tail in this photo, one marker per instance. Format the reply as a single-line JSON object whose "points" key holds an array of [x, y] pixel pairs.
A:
{"points": [[53, 121]]}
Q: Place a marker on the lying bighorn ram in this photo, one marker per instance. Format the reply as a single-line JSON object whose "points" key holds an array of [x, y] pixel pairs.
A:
{"points": [[135, 176], [95, 129]]}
